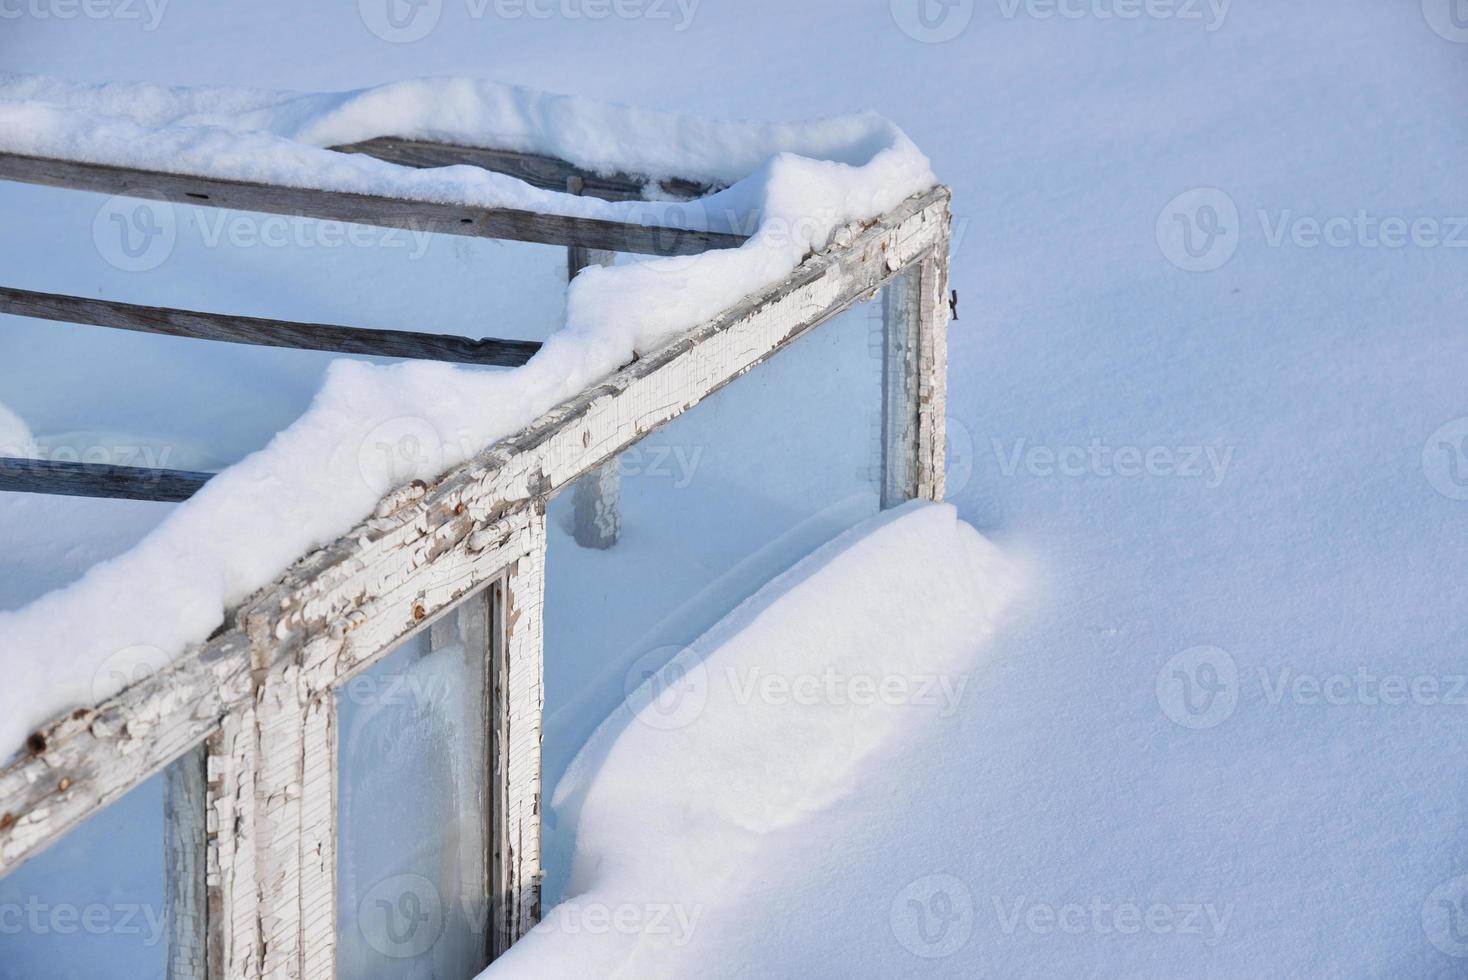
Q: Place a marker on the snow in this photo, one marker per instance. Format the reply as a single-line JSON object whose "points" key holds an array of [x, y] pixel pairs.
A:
{"points": [[326, 471], [280, 138], [762, 724], [1325, 548], [15, 436]]}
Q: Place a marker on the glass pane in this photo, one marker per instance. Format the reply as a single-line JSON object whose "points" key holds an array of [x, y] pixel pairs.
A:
{"points": [[711, 507], [92, 905], [412, 867]]}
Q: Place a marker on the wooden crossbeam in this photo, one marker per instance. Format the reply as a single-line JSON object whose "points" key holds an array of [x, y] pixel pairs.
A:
{"points": [[367, 209], [265, 333], [69, 479], [547, 173]]}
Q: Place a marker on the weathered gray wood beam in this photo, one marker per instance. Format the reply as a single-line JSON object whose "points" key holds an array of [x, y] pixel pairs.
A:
{"points": [[265, 333], [68, 479], [547, 173], [185, 885], [597, 501], [368, 209], [901, 316]]}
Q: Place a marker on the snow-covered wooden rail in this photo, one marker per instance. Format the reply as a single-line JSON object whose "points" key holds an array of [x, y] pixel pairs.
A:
{"points": [[535, 169], [254, 707], [512, 224]]}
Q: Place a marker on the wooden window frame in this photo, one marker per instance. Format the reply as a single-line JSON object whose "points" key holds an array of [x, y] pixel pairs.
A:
{"points": [[256, 695]]}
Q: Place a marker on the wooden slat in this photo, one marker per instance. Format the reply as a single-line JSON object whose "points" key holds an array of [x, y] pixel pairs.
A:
{"points": [[185, 886], [261, 332], [367, 209], [547, 173], [98, 480]]}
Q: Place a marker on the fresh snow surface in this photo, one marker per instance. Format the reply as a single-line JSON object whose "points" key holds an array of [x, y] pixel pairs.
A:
{"points": [[1335, 832], [321, 474], [280, 138], [762, 725]]}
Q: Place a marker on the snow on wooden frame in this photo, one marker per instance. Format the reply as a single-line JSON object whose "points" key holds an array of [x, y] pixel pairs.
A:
{"points": [[254, 694], [793, 187]]}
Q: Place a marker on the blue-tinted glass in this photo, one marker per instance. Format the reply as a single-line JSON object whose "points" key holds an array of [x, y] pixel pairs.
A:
{"points": [[412, 884], [711, 507], [92, 905]]}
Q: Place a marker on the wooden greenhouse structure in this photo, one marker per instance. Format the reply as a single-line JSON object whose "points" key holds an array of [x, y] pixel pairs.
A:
{"points": [[245, 726]]}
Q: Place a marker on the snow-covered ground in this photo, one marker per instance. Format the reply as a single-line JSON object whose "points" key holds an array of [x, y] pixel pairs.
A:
{"points": [[1226, 428]]}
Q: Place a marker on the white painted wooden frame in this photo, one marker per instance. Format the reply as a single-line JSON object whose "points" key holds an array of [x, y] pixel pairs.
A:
{"points": [[257, 695]]}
